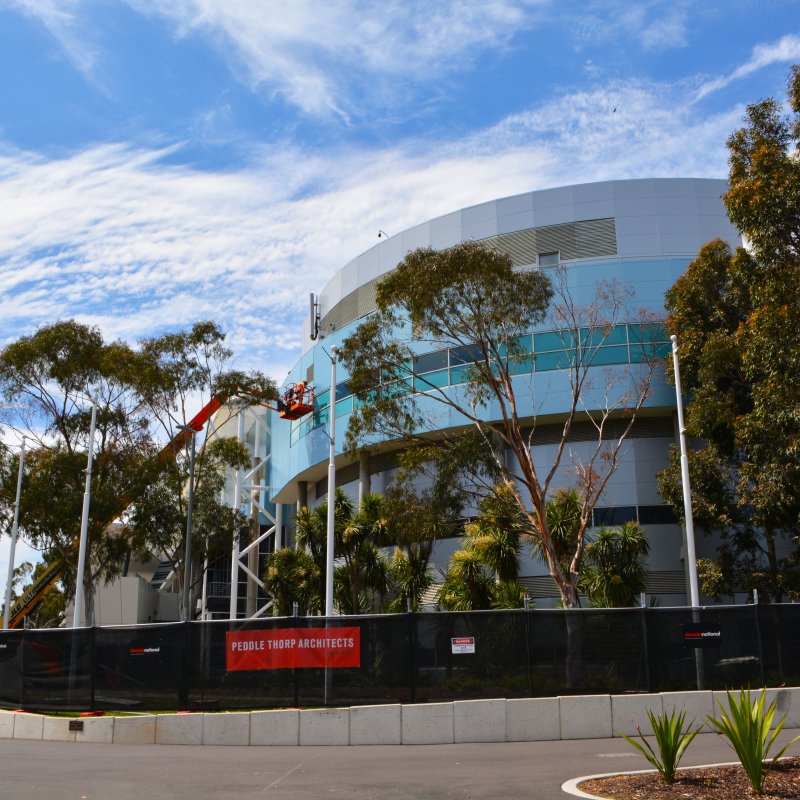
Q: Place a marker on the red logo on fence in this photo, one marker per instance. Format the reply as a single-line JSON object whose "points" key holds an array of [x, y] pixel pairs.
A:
{"points": [[293, 647]]}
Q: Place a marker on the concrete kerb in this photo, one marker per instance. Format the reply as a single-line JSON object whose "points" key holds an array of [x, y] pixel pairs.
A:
{"points": [[7, 724], [376, 724], [514, 720]]}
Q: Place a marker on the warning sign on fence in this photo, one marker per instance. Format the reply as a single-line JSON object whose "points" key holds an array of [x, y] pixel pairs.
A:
{"points": [[463, 644], [293, 647]]}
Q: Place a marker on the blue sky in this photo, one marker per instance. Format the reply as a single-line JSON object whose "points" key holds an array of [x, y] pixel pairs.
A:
{"points": [[163, 161]]}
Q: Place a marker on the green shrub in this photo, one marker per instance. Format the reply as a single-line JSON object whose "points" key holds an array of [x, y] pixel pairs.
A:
{"points": [[672, 738], [747, 727]]}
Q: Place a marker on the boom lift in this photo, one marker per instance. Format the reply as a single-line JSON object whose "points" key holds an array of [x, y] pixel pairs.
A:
{"points": [[296, 400]]}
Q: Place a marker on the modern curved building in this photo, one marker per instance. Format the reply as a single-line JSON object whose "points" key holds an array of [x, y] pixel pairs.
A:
{"points": [[642, 233]]}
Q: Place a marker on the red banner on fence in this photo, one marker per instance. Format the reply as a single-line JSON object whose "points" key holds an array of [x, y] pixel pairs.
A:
{"points": [[293, 647]]}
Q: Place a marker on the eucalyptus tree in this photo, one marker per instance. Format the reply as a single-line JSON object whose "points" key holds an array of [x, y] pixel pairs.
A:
{"points": [[471, 300], [48, 384], [737, 317]]}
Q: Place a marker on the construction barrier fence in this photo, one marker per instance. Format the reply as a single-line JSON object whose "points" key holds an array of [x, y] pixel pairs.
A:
{"points": [[399, 658]]}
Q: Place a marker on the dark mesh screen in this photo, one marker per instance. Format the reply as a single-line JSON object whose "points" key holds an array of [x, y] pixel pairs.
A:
{"points": [[407, 658]]}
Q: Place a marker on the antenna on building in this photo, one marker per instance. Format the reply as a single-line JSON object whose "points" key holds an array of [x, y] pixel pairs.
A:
{"points": [[313, 302]]}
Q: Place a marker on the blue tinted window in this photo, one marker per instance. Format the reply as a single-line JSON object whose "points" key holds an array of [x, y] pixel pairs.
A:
{"points": [[465, 354], [427, 362], [343, 390], [613, 515]]}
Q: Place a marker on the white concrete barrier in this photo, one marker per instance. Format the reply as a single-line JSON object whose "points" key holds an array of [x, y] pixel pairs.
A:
{"points": [[228, 728], [697, 705], [428, 723], [135, 730], [516, 720], [56, 729], [585, 716], [7, 724], [28, 726], [376, 724], [325, 726], [179, 729], [535, 719], [479, 721], [630, 710], [280, 728], [98, 730]]}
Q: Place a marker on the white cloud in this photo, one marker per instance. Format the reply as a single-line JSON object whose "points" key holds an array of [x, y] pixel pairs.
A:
{"points": [[117, 236], [62, 21], [785, 50], [321, 56], [649, 25]]}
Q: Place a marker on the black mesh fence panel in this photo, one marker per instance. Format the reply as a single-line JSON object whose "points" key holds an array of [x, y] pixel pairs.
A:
{"points": [[57, 669], [400, 658], [11, 669], [139, 667]]}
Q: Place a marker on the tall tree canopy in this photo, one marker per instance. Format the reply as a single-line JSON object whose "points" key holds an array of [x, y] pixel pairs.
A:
{"points": [[737, 317], [470, 299], [48, 383]]}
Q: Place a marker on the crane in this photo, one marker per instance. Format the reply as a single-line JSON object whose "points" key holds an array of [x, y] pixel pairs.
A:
{"points": [[296, 400]]}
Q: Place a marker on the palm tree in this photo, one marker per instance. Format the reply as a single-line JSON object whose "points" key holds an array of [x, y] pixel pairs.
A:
{"points": [[411, 577], [615, 573], [466, 586], [292, 576], [357, 539], [365, 570]]}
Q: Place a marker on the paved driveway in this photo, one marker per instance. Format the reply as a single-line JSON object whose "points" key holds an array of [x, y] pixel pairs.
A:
{"points": [[38, 770]]}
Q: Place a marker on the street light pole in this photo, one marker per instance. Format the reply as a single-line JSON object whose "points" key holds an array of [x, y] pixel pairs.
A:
{"points": [[14, 529], [77, 616], [187, 558], [331, 488], [687, 492]]}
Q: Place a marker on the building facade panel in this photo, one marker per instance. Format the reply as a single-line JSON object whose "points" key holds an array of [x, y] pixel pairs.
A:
{"points": [[641, 233]]}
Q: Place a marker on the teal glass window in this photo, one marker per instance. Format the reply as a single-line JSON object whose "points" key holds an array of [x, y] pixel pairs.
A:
{"points": [[321, 399], [520, 366], [555, 340], [461, 374], [321, 416], [602, 337], [431, 380], [558, 360], [645, 334], [344, 406], [645, 352], [609, 355]]}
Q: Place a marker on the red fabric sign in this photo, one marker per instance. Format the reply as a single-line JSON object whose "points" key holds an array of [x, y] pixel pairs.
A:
{"points": [[293, 647]]}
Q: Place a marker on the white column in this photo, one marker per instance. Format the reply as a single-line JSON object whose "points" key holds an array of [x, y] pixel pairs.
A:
{"points": [[691, 557], [78, 615], [237, 504], [14, 530], [331, 490]]}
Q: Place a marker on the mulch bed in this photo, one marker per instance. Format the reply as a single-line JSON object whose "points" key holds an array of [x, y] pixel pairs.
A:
{"points": [[708, 783]]}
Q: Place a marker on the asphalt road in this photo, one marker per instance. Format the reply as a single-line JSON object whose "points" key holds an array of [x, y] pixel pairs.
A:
{"points": [[36, 770]]}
